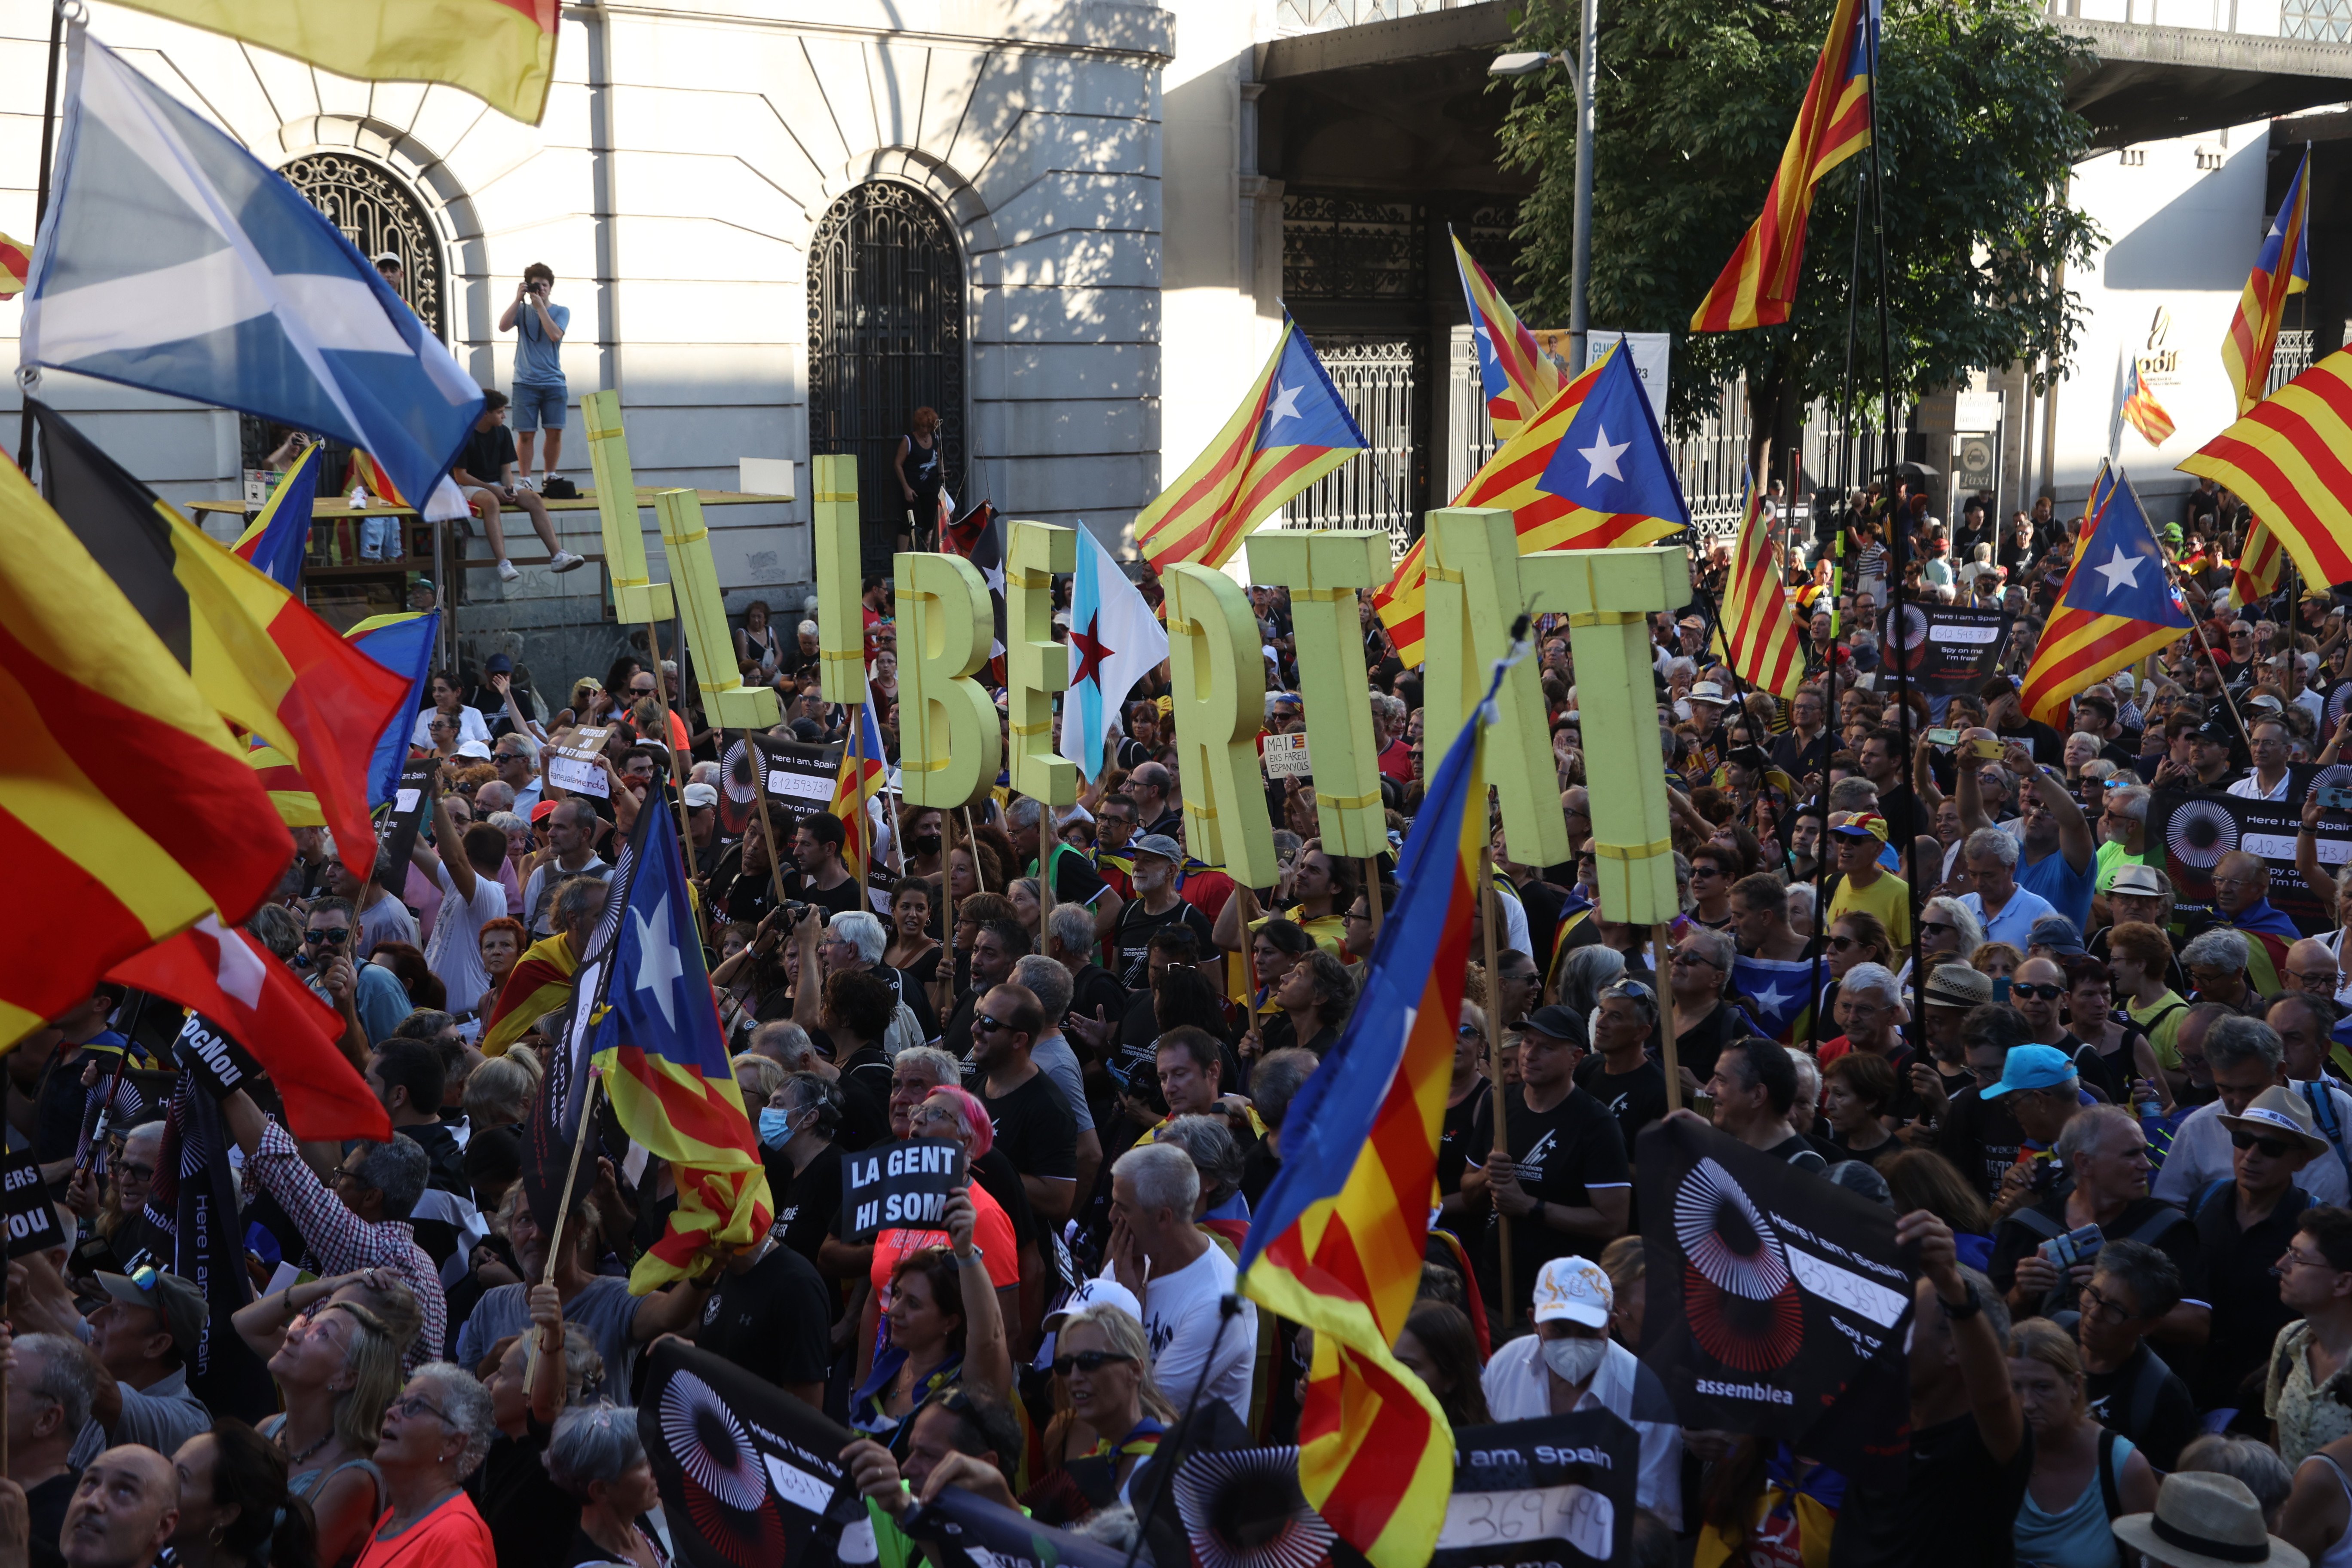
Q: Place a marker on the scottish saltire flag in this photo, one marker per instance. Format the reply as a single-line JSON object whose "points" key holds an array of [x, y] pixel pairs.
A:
{"points": [[173, 260], [656, 1037], [2117, 608], [1773, 992], [1518, 377], [2283, 266], [1337, 1243], [1290, 430], [863, 773], [276, 539], [1613, 459], [1115, 640]]}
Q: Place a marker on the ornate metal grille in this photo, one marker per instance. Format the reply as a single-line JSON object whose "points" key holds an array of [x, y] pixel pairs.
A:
{"points": [[377, 213], [1339, 247], [886, 337]]}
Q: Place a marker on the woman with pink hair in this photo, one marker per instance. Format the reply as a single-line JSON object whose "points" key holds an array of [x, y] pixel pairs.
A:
{"points": [[957, 1115]]}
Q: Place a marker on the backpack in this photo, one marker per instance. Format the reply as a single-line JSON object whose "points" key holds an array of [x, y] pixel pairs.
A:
{"points": [[2331, 1126], [2049, 1229], [2110, 1497]]}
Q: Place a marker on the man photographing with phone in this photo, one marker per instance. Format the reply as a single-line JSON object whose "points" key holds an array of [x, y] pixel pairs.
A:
{"points": [[540, 393]]}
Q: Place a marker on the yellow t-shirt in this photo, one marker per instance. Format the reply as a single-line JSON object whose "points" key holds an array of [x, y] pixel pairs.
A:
{"points": [[1889, 898]]}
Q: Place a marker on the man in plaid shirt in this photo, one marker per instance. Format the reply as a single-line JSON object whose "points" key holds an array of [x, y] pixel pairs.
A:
{"points": [[363, 1222]]}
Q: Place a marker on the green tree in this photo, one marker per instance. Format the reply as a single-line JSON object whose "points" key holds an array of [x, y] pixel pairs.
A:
{"points": [[1695, 101]]}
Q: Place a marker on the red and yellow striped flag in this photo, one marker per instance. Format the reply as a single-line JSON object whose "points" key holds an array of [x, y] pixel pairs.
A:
{"points": [[2258, 566], [2282, 267], [2287, 461], [1545, 520], [127, 813], [1760, 282], [1518, 377], [2141, 411], [501, 51], [864, 771], [1766, 647], [540, 984], [15, 266]]}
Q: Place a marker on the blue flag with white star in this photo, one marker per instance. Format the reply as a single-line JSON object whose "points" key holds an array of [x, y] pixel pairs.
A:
{"points": [[2121, 570], [657, 995], [1612, 457], [1773, 992]]}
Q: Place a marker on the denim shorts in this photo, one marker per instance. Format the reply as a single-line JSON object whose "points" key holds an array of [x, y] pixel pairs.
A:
{"points": [[537, 405]]}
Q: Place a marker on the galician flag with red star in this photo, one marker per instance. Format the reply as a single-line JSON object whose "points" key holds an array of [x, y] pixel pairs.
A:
{"points": [[1115, 640]]}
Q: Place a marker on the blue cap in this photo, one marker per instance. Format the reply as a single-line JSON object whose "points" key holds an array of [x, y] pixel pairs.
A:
{"points": [[2031, 1066]]}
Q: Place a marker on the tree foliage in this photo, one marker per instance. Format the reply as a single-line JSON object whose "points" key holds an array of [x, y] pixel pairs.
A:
{"points": [[1695, 101]]}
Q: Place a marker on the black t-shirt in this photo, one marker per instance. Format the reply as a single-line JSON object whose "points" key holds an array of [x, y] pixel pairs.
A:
{"points": [[1635, 1099], [2143, 1219], [45, 1506], [2047, 744], [487, 453], [1798, 1150], [865, 1085], [57, 1110], [1453, 1136], [1137, 926], [1034, 1126], [1076, 882], [1563, 1155], [448, 1161], [772, 1318], [531, 1518], [1700, 1043], [1905, 820], [1887, 1151], [807, 1206], [840, 898], [2160, 1429], [1981, 1138], [2247, 1313], [1957, 1509]]}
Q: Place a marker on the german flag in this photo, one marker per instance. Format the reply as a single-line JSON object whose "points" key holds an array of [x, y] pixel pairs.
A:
{"points": [[267, 664], [127, 812], [540, 984]]}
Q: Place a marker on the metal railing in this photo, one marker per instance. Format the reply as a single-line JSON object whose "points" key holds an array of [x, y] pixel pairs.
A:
{"points": [[1379, 382], [1292, 17], [2290, 359]]}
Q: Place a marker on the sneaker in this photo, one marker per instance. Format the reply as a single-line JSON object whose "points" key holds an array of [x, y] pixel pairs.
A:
{"points": [[564, 561], [507, 572], [523, 482]]}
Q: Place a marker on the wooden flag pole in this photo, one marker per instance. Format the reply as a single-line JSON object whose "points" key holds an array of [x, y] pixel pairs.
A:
{"points": [[578, 1141], [858, 801], [1502, 1150], [1372, 892], [758, 760], [1659, 960], [676, 763], [979, 877], [2243, 733]]}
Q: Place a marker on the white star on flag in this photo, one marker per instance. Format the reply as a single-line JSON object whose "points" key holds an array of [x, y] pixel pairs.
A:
{"points": [[1773, 1000], [657, 960], [2123, 571], [1285, 403], [1603, 455]]}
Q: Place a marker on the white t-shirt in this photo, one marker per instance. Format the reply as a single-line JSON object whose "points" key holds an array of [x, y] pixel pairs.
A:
{"points": [[1180, 1318], [471, 726], [455, 953], [539, 892]]}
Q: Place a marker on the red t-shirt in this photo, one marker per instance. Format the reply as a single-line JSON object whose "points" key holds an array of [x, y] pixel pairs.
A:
{"points": [[452, 1536], [991, 1232]]}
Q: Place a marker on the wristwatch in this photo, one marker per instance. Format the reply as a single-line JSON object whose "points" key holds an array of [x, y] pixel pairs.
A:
{"points": [[1970, 1306], [962, 1261]]}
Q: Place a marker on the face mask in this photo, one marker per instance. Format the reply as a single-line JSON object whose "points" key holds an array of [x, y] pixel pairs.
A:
{"points": [[926, 843], [1574, 1360], [775, 1126]]}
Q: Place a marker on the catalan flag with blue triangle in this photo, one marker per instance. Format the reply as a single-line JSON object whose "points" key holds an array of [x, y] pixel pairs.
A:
{"points": [[2118, 606], [1518, 377], [2283, 266], [1774, 991], [656, 1037], [275, 540], [864, 771], [1336, 1244], [1290, 430]]}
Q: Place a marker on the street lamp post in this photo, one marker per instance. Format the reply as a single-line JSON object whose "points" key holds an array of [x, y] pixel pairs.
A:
{"points": [[1581, 238]]}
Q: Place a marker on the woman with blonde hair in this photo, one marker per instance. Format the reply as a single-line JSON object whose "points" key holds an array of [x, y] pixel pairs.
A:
{"points": [[498, 1094], [1103, 1359], [2077, 1463], [337, 1369]]}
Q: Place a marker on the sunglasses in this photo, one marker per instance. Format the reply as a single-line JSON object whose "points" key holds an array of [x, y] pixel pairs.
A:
{"points": [[327, 936], [135, 1170], [2047, 993], [1087, 1361], [2274, 1147], [1934, 928], [1839, 944], [983, 1024]]}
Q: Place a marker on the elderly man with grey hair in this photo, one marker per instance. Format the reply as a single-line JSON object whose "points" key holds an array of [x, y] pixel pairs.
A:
{"points": [[2006, 910], [1180, 1277], [1701, 983], [2215, 960], [2245, 1057], [1218, 1158], [1050, 983], [854, 941]]}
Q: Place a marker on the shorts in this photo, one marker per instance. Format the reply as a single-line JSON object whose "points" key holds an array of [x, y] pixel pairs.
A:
{"points": [[537, 405]]}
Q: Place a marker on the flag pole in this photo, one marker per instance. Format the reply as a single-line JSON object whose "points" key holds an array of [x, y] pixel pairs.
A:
{"points": [[1487, 916], [2198, 627], [1372, 890], [676, 763], [979, 878], [1659, 962], [857, 800], [578, 1141], [758, 760], [41, 211]]}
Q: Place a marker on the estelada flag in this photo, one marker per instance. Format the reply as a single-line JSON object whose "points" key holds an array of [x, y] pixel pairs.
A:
{"points": [[864, 770], [266, 660], [1526, 477], [2141, 411], [1760, 282], [126, 810], [2117, 608], [501, 51], [2282, 267], [233, 980]]}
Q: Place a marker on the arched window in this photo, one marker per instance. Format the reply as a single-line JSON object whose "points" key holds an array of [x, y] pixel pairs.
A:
{"points": [[886, 337]]}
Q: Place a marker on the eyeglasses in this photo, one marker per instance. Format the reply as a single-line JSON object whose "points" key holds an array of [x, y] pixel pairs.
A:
{"points": [[1088, 1361], [327, 936], [1469, 1032], [134, 1170], [2272, 1148], [414, 1403], [2102, 1307], [983, 1024], [2310, 977], [1684, 956], [2047, 993], [2293, 1257]]}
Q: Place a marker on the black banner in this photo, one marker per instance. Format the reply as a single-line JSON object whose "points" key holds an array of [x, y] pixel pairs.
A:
{"points": [[899, 1185], [24, 1199], [2195, 829], [969, 1531], [797, 778], [1556, 1490], [747, 1473], [1762, 1322], [1948, 650], [216, 1061], [411, 805], [194, 1209]]}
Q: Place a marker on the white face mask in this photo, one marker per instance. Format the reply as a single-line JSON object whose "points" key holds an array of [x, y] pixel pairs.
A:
{"points": [[1574, 1360]]}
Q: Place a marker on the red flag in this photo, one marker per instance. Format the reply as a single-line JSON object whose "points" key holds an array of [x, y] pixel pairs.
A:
{"points": [[236, 982]]}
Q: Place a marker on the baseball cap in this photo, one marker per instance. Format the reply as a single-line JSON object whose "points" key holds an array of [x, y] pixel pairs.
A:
{"points": [[474, 749], [497, 664], [2031, 1066], [2139, 880], [1094, 1293], [2057, 934], [1158, 843], [2124, 680], [1956, 985], [699, 796], [1576, 1289], [179, 1304], [1863, 823], [2216, 734], [389, 257], [542, 811], [1557, 1022], [2266, 702]]}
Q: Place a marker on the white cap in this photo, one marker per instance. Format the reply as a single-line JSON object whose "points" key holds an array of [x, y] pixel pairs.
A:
{"points": [[1576, 1289], [1095, 1293], [474, 749]]}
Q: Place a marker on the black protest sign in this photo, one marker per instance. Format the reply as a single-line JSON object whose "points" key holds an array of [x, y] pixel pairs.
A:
{"points": [[1556, 1490], [1948, 650], [894, 1185], [410, 804], [214, 1061], [799, 778], [1770, 1295], [967, 1531], [747, 1473], [2194, 830], [24, 1199]]}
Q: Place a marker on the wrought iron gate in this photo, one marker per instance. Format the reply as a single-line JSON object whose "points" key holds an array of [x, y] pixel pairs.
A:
{"points": [[1380, 382], [886, 337]]}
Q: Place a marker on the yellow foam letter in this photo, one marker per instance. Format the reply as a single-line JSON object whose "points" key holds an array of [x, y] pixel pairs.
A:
{"points": [[948, 746], [1323, 570], [1037, 665], [1219, 701], [834, 532], [635, 598], [726, 702]]}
